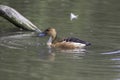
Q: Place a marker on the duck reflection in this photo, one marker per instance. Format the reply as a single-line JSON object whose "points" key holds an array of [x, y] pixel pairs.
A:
{"points": [[53, 53]]}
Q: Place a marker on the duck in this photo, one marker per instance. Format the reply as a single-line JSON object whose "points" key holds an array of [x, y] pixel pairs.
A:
{"points": [[66, 43]]}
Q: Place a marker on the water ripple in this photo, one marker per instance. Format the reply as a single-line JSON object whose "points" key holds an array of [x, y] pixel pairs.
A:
{"points": [[16, 40], [112, 52]]}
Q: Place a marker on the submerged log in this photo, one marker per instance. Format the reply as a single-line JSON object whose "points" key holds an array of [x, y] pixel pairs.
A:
{"points": [[17, 19]]}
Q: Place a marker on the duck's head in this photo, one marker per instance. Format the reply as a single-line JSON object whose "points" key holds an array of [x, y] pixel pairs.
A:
{"points": [[48, 32]]}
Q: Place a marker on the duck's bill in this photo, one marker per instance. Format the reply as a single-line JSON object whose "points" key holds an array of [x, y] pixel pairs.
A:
{"points": [[42, 34]]}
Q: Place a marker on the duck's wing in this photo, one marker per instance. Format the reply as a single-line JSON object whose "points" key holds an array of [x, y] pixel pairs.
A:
{"points": [[77, 40]]}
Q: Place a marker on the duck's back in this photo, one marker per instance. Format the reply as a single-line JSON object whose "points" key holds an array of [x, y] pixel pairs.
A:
{"points": [[76, 40]]}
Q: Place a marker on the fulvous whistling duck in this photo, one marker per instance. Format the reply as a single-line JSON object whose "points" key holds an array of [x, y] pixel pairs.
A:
{"points": [[67, 43]]}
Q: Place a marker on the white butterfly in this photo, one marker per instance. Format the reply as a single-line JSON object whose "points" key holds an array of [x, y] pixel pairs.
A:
{"points": [[73, 16]]}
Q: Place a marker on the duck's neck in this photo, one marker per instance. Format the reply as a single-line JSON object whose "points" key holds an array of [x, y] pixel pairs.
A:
{"points": [[51, 39]]}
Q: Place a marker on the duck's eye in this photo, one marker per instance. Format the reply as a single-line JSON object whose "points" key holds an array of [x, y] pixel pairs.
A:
{"points": [[47, 30]]}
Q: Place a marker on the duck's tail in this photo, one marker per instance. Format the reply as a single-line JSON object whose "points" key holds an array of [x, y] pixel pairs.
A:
{"points": [[88, 44]]}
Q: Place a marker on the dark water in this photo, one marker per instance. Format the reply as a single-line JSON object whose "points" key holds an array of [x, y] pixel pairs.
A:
{"points": [[26, 57]]}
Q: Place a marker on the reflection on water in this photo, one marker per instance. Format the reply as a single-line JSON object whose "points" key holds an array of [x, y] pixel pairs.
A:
{"points": [[24, 56]]}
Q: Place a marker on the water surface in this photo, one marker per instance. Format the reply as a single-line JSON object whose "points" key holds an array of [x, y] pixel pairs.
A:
{"points": [[24, 56]]}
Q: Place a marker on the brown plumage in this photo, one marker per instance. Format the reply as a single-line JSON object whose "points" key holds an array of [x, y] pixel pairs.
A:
{"points": [[68, 43]]}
